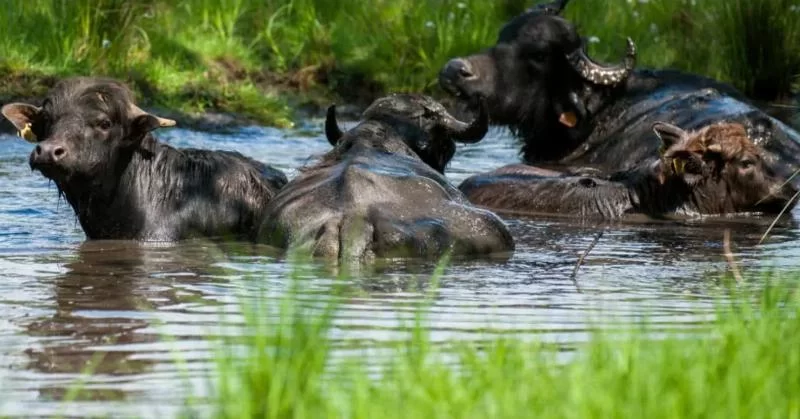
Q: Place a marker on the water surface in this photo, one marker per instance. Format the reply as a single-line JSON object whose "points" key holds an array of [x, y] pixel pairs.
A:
{"points": [[64, 301]]}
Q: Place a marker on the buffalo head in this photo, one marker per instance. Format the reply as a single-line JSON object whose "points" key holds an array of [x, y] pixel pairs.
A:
{"points": [[724, 170], [419, 122], [536, 77], [83, 128]]}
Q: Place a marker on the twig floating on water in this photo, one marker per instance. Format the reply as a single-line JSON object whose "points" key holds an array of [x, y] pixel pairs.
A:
{"points": [[726, 245], [574, 275]]}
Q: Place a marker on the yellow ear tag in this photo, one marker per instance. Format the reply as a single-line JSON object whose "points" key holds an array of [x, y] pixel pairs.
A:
{"points": [[679, 165], [27, 133], [568, 118]]}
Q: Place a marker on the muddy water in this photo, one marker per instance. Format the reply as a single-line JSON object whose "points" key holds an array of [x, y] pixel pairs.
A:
{"points": [[64, 301]]}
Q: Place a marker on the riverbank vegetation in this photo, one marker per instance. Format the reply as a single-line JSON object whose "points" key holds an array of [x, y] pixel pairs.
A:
{"points": [[262, 58], [745, 363]]}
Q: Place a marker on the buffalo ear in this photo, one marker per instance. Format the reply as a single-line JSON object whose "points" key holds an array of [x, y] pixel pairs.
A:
{"points": [[145, 123], [669, 134], [142, 124], [22, 116]]}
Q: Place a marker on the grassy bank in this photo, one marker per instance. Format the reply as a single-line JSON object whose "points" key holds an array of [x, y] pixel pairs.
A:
{"points": [[262, 58], [744, 364]]}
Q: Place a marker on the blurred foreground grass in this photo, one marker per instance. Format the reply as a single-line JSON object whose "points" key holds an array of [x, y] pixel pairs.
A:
{"points": [[283, 364], [261, 58]]}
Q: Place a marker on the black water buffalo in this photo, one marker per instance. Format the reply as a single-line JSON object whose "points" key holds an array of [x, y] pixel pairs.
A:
{"points": [[381, 192], [571, 110], [96, 145], [715, 170]]}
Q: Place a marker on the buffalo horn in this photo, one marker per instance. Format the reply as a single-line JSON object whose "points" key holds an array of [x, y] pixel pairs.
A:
{"points": [[599, 74], [468, 133], [332, 130]]}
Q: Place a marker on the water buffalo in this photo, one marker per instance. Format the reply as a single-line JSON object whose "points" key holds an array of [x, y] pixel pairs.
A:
{"points": [[715, 170], [96, 145], [571, 110], [380, 192]]}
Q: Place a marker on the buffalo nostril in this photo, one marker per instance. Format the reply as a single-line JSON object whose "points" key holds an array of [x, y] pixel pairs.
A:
{"points": [[38, 150], [587, 182], [464, 69], [460, 68], [58, 152]]}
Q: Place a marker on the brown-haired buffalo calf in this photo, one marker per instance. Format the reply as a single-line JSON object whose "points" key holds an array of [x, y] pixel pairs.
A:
{"points": [[381, 191], [96, 145], [714, 170]]}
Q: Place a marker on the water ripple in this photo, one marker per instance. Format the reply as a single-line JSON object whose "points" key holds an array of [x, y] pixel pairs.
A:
{"points": [[63, 300]]}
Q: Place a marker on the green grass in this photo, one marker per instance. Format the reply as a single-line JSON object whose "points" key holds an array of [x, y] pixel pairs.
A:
{"points": [[746, 363], [258, 58]]}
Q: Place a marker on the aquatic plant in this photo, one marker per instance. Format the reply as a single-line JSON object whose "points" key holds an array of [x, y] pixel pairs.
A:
{"points": [[743, 364]]}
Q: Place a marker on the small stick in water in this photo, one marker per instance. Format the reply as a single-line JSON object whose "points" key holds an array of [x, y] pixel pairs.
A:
{"points": [[778, 217], [574, 275], [726, 245]]}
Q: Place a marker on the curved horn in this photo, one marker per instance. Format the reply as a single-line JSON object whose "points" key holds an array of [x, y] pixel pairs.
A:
{"points": [[599, 74], [332, 130], [136, 111], [553, 8], [468, 133]]}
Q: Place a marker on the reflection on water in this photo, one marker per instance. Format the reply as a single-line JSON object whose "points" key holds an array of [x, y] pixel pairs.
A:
{"points": [[66, 303]]}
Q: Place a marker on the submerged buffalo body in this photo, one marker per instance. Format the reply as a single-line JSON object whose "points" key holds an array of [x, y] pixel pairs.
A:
{"points": [[570, 110], [381, 192], [715, 170], [96, 145]]}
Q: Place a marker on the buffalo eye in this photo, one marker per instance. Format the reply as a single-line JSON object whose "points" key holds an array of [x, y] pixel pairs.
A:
{"points": [[103, 124], [538, 56], [747, 164]]}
